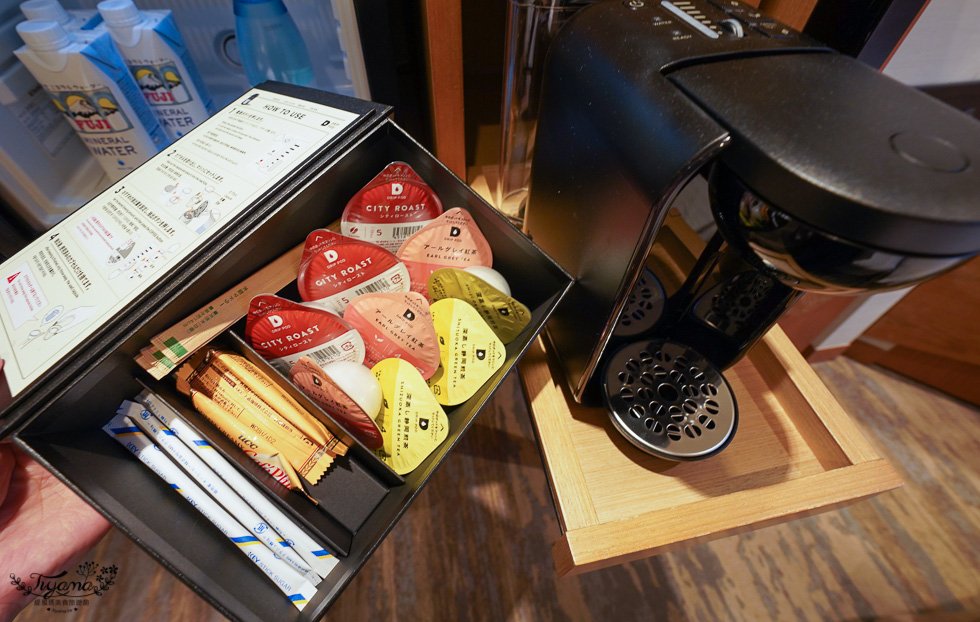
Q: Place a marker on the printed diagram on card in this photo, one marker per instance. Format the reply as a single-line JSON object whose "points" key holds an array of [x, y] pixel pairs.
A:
{"points": [[194, 207], [284, 150], [57, 321]]}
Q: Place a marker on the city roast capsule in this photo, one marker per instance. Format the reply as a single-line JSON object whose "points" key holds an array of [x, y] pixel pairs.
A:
{"points": [[282, 331], [335, 269]]}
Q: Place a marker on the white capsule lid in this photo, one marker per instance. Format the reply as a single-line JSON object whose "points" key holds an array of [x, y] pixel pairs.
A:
{"points": [[43, 36], [120, 13], [45, 11]]}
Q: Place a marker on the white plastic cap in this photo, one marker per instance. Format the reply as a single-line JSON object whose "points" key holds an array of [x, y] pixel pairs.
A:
{"points": [[43, 36], [120, 13], [45, 11]]}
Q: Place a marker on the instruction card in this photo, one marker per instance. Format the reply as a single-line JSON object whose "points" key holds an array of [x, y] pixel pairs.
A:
{"points": [[60, 289]]}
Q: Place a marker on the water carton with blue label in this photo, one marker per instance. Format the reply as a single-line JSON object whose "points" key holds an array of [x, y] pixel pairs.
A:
{"points": [[91, 86], [161, 64]]}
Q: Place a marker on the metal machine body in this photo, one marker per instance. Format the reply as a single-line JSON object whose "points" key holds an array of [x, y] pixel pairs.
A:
{"points": [[825, 175]]}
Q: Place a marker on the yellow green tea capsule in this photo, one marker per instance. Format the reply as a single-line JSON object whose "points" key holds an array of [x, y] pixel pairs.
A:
{"points": [[412, 422], [469, 351], [505, 316]]}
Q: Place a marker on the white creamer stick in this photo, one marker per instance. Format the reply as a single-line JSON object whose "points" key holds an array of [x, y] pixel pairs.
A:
{"points": [[318, 557], [164, 438], [124, 430]]}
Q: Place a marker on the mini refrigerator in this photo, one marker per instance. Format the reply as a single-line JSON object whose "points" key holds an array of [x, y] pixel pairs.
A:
{"points": [[361, 48]]}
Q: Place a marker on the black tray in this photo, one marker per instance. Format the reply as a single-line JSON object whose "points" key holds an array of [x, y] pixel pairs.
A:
{"points": [[361, 498]]}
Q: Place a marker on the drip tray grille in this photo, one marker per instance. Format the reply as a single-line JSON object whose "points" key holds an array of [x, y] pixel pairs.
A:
{"points": [[669, 401]]}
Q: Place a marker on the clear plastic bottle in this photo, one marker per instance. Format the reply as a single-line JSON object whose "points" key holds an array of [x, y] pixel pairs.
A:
{"points": [[531, 27], [269, 43]]}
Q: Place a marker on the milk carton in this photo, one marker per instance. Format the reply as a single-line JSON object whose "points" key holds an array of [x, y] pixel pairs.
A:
{"points": [[159, 60], [90, 85]]}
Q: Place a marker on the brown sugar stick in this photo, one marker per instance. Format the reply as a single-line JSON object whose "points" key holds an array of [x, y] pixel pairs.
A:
{"points": [[267, 389], [308, 458]]}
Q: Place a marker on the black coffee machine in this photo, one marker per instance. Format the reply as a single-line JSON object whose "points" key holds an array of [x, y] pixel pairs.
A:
{"points": [[824, 175]]}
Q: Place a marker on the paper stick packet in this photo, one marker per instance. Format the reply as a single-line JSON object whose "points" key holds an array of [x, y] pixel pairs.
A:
{"points": [[273, 395], [218, 398], [253, 444], [180, 454], [225, 376], [203, 373], [177, 342], [154, 362], [307, 459], [297, 589], [313, 553]]}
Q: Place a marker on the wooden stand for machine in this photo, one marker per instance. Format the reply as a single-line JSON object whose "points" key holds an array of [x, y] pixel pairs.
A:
{"points": [[796, 453]]}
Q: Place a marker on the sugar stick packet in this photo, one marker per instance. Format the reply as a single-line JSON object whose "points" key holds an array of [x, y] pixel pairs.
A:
{"points": [[255, 445], [206, 374], [178, 342], [266, 390], [318, 557], [229, 401], [124, 430], [180, 454]]}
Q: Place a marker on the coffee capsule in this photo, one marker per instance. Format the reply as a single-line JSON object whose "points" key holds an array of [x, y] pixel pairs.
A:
{"points": [[282, 331], [505, 316], [396, 325], [349, 392], [335, 269], [412, 422], [491, 276], [450, 241], [390, 208], [469, 352]]}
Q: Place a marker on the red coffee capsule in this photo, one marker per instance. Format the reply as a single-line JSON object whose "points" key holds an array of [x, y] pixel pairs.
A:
{"points": [[336, 269], [450, 241], [396, 325], [282, 331], [390, 208]]}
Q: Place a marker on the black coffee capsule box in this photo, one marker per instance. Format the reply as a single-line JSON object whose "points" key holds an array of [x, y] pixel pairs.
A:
{"points": [[59, 419]]}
